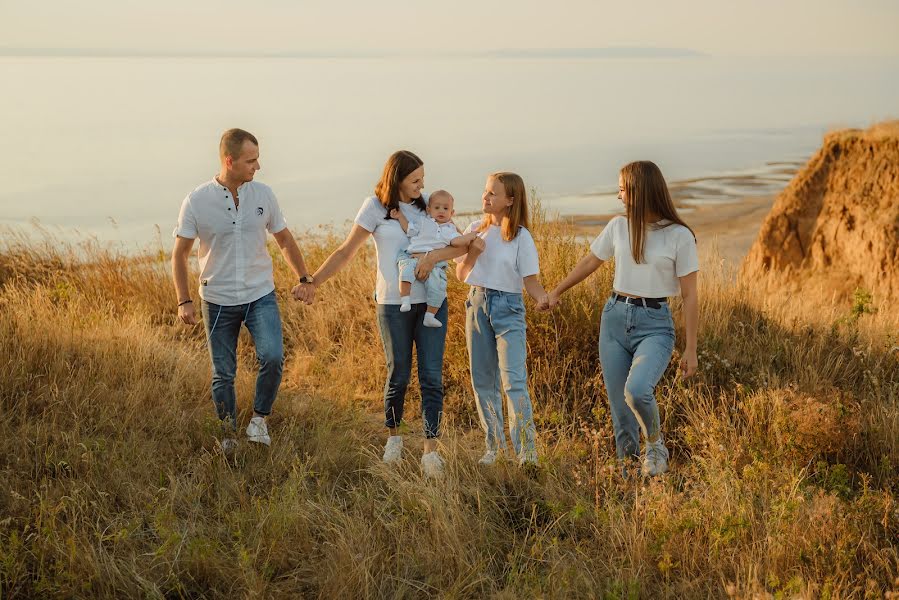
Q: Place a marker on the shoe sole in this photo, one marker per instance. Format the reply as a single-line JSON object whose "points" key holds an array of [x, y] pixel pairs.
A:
{"points": [[263, 441]]}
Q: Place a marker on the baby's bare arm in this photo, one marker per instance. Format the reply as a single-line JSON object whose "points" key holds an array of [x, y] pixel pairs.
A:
{"points": [[399, 216], [464, 240]]}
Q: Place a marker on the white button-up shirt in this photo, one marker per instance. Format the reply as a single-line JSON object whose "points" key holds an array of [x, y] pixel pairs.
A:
{"points": [[235, 266]]}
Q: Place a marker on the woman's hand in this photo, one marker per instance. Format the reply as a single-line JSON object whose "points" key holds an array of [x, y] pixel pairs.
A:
{"points": [[689, 363], [425, 265]]}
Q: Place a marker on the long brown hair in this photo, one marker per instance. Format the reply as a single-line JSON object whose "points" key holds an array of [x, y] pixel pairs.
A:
{"points": [[396, 169], [518, 213], [646, 193]]}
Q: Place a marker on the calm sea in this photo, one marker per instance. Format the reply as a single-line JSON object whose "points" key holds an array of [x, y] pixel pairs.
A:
{"points": [[110, 146]]}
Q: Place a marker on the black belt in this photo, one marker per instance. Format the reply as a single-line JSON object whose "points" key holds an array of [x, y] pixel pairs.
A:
{"points": [[647, 302]]}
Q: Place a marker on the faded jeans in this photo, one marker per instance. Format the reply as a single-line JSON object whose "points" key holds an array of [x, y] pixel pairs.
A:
{"points": [[635, 347], [497, 350]]}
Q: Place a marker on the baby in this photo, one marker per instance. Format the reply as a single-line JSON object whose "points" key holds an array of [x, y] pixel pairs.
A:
{"points": [[432, 232]]}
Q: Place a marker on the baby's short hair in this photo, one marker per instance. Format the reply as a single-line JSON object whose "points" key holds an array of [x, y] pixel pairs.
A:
{"points": [[438, 194]]}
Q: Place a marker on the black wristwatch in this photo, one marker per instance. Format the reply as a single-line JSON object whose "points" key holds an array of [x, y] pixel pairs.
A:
{"points": [[307, 279]]}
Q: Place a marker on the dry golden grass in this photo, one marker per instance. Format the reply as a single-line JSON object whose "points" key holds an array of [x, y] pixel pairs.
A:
{"points": [[785, 450]]}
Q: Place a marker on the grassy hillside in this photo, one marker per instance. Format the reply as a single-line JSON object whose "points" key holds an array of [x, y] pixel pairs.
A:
{"points": [[785, 450]]}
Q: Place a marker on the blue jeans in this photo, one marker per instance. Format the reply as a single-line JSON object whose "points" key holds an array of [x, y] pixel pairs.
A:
{"points": [[497, 352], [435, 284], [399, 331], [635, 346], [263, 320]]}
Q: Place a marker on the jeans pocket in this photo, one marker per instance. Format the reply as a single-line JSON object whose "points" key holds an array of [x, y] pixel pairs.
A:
{"points": [[610, 303], [659, 314], [515, 303]]}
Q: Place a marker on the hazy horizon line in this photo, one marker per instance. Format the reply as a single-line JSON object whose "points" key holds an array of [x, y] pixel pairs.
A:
{"points": [[606, 52]]}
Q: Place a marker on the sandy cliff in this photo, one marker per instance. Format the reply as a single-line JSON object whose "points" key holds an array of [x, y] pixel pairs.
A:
{"points": [[837, 222]]}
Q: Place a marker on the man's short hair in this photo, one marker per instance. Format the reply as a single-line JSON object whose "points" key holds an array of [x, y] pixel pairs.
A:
{"points": [[232, 142]]}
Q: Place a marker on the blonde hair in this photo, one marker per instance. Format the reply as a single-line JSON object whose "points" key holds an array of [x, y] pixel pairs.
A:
{"points": [[517, 215], [646, 193]]}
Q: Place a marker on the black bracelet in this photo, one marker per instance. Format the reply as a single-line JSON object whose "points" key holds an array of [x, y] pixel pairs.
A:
{"points": [[188, 301]]}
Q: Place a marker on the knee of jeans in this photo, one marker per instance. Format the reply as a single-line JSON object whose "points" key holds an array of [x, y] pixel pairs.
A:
{"points": [[636, 392], [271, 358], [226, 377]]}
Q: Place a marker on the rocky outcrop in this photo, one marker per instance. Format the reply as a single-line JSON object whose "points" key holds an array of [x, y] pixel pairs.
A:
{"points": [[837, 222]]}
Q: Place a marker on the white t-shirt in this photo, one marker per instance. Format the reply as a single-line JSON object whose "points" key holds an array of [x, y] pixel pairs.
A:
{"points": [[390, 239], [428, 234], [235, 266], [668, 253], [503, 265]]}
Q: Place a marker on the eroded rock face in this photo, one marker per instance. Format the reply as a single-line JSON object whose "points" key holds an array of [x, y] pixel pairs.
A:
{"points": [[838, 220]]}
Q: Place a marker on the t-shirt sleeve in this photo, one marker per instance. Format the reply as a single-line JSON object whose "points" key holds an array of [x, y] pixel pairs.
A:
{"points": [[187, 222], [603, 247], [276, 220], [527, 262], [412, 228], [370, 214], [448, 234], [686, 258]]}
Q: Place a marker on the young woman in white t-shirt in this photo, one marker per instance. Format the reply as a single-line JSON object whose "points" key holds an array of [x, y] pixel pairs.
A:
{"points": [[655, 257], [494, 315], [400, 188]]}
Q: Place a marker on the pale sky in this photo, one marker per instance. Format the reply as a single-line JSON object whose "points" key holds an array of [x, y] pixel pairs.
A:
{"points": [[716, 27]]}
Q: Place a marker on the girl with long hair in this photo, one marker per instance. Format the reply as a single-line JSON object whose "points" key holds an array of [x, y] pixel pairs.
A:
{"points": [[494, 315], [655, 258]]}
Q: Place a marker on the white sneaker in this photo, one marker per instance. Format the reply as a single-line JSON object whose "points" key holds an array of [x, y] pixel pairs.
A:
{"points": [[488, 459], [406, 303], [431, 321], [257, 431], [432, 465], [655, 462], [229, 445], [393, 450]]}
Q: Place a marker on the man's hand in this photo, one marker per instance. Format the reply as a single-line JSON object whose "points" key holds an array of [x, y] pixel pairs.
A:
{"points": [[304, 292], [187, 314]]}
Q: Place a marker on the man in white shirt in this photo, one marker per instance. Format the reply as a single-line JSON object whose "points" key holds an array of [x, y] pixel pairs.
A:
{"points": [[230, 215]]}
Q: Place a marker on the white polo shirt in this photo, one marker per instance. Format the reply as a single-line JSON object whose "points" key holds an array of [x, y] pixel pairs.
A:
{"points": [[235, 266]]}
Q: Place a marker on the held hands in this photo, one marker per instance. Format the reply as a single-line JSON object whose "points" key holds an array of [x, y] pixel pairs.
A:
{"points": [[304, 292], [549, 302]]}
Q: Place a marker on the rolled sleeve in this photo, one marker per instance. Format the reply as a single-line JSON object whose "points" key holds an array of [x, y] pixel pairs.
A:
{"points": [[187, 222]]}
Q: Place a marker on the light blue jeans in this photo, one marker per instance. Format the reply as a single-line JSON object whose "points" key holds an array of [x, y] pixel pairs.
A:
{"points": [[497, 353], [435, 284], [635, 346]]}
